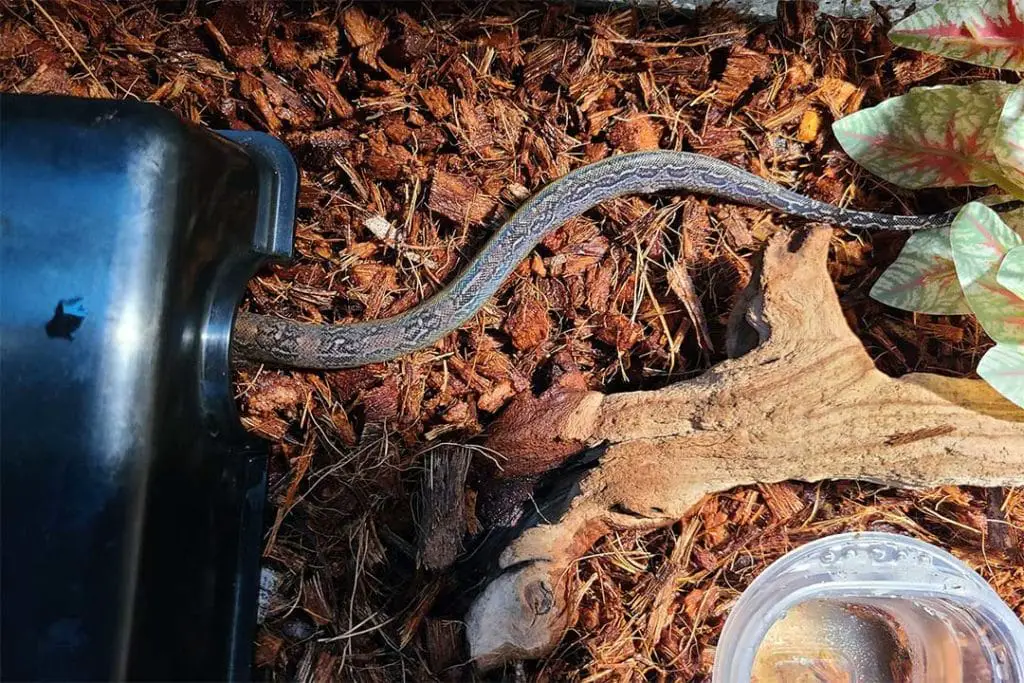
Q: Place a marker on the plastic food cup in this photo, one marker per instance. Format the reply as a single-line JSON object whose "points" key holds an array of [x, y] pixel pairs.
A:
{"points": [[870, 607]]}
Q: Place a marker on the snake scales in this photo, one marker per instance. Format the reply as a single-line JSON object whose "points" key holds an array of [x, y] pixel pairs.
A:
{"points": [[312, 346]]}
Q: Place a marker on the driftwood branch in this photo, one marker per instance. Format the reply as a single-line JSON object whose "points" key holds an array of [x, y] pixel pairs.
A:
{"points": [[800, 399]]}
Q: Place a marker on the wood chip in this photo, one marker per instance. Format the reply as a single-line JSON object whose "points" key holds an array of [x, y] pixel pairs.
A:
{"points": [[320, 147], [618, 331], [443, 513], [252, 89], [635, 133], [494, 398], [782, 500], [381, 403], [274, 392], [444, 647], [810, 126], [921, 66], [268, 647], [459, 199], [437, 101], [321, 84], [841, 97], [364, 33], [789, 113], [304, 45], [742, 68], [681, 284], [343, 426], [798, 21], [288, 104], [528, 323], [237, 35]]}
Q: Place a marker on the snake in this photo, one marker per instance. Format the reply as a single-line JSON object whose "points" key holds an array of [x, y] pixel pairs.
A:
{"points": [[289, 343]]}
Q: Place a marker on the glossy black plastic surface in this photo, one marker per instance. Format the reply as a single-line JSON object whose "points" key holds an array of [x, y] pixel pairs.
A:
{"points": [[131, 497]]}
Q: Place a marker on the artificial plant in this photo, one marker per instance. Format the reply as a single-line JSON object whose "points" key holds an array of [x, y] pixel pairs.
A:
{"points": [[951, 135]]}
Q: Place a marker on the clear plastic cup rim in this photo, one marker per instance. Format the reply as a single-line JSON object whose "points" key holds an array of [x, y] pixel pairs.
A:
{"points": [[862, 564]]}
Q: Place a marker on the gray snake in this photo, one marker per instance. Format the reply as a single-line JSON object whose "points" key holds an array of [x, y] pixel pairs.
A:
{"points": [[312, 346]]}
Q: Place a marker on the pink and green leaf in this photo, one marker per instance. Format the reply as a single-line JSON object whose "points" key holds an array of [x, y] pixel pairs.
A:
{"points": [[940, 136], [923, 277], [980, 241], [1009, 142], [1011, 272], [985, 32], [1002, 367]]}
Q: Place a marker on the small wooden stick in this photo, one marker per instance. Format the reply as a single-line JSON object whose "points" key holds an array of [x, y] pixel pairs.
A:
{"points": [[443, 512]]}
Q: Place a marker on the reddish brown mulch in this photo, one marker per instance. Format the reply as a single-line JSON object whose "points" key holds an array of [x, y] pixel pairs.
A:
{"points": [[417, 128]]}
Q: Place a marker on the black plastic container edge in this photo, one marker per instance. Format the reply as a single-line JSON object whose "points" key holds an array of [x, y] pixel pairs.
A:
{"points": [[132, 498]]}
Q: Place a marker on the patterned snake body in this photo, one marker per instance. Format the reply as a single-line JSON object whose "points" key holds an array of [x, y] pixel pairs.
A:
{"points": [[312, 346]]}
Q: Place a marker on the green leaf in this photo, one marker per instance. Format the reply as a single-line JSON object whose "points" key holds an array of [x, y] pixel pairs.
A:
{"points": [[1002, 366], [1011, 272], [1009, 142], [985, 32], [940, 136], [980, 241], [923, 277]]}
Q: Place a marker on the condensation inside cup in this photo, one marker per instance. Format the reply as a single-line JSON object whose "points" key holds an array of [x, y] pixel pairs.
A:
{"points": [[872, 639]]}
